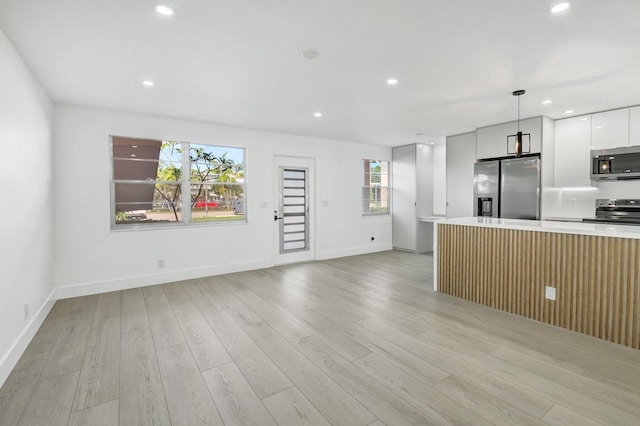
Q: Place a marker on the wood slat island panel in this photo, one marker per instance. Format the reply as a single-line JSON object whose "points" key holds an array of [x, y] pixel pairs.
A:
{"points": [[597, 278]]}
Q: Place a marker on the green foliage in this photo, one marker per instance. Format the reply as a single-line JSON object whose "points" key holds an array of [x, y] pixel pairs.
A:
{"points": [[378, 209], [209, 168], [169, 170]]}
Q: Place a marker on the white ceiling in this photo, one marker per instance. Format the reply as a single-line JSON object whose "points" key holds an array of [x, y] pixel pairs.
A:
{"points": [[239, 62]]}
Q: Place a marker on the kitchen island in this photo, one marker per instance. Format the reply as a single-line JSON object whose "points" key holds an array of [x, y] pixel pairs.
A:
{"points": [[589, 273]]}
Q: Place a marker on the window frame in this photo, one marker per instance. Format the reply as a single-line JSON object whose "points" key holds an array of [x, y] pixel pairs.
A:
{"points": [[185, 184], [363, 171]]}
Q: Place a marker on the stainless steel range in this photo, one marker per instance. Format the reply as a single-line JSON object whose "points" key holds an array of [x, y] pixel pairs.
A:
{"points": [[622, 211]]}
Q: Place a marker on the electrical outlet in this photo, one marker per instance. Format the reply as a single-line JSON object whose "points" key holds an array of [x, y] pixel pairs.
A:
{"points": [[550, 293], [160, 263], [26, 310]]}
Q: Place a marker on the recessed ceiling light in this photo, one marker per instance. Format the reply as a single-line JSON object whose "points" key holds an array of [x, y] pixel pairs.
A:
{"points": [[133, 155], [134, 146], [148, 83], [584, 119], [392, 81], [598, 127], [560, 7], [165, 10], [310, 54], [317, 114], [546, 102], [569, 111]]}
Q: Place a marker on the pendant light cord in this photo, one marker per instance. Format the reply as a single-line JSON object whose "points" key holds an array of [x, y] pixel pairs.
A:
{"points": [[518, 113], [517, 94]]}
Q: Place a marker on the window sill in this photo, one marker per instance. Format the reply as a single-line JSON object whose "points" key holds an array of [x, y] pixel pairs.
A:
{"points": [[178, 225]]}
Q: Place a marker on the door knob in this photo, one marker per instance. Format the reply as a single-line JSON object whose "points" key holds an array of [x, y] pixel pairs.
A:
{"points": [[275, 215]]}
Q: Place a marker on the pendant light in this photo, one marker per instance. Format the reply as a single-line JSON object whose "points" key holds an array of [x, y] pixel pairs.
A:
{"points": [[521, 142]]}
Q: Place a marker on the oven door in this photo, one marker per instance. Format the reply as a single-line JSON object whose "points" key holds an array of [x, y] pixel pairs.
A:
{"points": [[620, 215]]}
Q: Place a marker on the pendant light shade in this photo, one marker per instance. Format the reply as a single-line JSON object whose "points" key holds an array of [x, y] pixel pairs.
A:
{"points": [[520, 143]]}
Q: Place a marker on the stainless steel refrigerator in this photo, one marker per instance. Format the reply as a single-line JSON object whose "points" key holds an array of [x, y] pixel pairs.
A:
{"points": [[507, 188]]}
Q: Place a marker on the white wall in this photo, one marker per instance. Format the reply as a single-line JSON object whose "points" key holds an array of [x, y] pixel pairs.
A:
{"points": [[26, 216], [92, 258]]}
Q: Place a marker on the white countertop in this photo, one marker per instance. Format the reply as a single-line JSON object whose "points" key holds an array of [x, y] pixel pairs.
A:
{"points": [[436, 218], [581, 228]]}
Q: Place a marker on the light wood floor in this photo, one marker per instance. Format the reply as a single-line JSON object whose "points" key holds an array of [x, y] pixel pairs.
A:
{"points": [[352, 341]]}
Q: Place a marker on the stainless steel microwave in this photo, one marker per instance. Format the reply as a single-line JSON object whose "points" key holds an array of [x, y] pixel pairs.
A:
{"points": [[616, 163]]}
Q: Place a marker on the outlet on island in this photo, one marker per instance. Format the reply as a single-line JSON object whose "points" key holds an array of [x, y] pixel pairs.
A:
{"points": [[550, 293]]}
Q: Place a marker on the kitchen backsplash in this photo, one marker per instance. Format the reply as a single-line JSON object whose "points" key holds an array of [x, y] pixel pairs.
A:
{"points": [[580, 202]]}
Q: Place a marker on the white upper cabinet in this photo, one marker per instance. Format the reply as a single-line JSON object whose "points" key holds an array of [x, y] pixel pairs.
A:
{"points": [[634, 126], [610, 129], [491, 142], [572, 152]]}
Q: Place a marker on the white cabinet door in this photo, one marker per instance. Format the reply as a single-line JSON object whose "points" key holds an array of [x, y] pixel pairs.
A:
{"points": [[634, 126], [404, 198], [424, 180], [424, 196], [460, 158], [491, 142], [610, 129], [572, 152], [412, 197], [439, 180]]}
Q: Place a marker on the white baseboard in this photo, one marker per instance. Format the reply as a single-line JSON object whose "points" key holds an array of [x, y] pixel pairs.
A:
{"points": [[87, 289], [354, 251], [8, 363]]}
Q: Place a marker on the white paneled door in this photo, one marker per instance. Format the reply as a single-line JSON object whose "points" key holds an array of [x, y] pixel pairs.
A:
{"points": [[294, 218]]}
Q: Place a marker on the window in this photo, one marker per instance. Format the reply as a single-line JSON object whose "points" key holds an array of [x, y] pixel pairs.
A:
{"points": [[148, 183], [375, 187]]}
